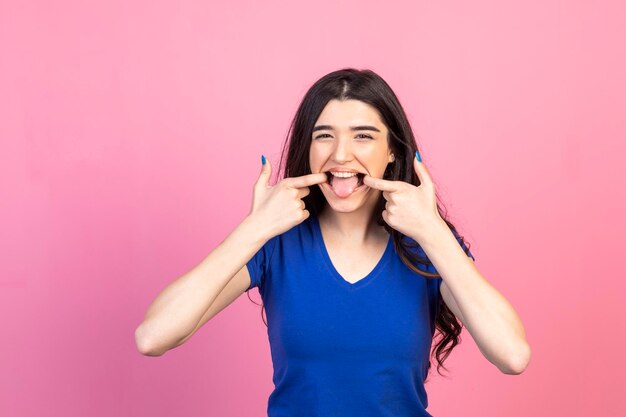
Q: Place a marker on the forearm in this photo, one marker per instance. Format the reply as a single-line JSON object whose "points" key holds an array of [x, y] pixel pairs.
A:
{"points": [[176, 311], [489, 317]]}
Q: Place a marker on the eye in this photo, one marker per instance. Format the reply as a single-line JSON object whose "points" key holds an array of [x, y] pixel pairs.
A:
{"points": [[363, 136], [322, 135]]}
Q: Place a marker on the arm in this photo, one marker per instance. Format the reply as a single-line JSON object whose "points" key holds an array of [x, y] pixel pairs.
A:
{"points": [[489, 317], [176, 312]]}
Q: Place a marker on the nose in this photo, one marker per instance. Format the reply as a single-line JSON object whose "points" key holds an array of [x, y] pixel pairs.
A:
{"points": [[342, 151]]}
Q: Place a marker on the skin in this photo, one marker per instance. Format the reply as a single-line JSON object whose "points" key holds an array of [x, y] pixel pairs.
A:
{"points": [[354, 242], [357, 242], [348, 223]]}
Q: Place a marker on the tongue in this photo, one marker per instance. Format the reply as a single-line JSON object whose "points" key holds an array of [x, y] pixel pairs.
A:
{"points": [[343, 187]]}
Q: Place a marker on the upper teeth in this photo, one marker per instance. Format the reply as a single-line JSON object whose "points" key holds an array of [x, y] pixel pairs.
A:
{"points": [[343, 174]]}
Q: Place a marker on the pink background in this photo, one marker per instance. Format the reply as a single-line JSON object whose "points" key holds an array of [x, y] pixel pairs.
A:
{"points": [[132, 134]]}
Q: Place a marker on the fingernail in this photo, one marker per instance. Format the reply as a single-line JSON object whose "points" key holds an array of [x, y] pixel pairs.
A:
{"points": [[263, 159], [417, 154]]}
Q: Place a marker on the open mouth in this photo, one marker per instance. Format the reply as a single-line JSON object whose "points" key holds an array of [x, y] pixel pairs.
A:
{"points": [[330, 177], [344, 187]]}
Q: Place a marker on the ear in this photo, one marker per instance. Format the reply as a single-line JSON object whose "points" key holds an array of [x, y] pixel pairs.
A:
{"points": [[392, 158]]}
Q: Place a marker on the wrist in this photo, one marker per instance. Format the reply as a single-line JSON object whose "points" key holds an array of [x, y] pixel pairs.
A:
{"points": [[254, 228], [436, 233], [432, 228]]}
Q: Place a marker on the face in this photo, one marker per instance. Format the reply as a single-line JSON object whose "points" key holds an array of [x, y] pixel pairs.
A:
{"points": [[349, 136]]}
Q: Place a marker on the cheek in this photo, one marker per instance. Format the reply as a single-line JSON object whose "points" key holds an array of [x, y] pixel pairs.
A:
{"points": [[374, 159], [315, 159]]}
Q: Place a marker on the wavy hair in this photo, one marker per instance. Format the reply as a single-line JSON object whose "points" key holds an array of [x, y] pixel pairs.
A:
{"points": [[369, 87]]}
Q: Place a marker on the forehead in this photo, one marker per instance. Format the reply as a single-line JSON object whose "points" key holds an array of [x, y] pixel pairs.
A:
{"points": [[342, 114]]}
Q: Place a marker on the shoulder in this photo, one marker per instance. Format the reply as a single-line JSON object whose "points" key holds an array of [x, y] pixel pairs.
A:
{"points": [[420, 259], [300, 235], [305, 230], [414, 247]]}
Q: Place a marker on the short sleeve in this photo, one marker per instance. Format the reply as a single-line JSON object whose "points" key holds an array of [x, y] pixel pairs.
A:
{"points": [[434, 284], [258, 265], [432, 288]]}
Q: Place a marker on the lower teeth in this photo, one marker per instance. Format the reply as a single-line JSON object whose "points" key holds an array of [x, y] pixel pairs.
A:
{"points": [[358, 185]]}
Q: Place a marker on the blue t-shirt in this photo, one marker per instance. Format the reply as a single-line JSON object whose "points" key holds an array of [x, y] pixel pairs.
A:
{"points": [[343, 349]]}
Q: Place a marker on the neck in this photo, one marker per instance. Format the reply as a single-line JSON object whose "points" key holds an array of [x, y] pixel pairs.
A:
{"points": [[356, 226]]}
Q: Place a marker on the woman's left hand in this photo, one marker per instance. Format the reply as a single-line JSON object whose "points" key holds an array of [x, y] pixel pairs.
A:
{"points": [[410, 210]]}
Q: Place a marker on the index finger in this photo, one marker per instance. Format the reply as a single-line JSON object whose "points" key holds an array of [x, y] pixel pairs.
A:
{"points": [[306, 180], [380, 184]]}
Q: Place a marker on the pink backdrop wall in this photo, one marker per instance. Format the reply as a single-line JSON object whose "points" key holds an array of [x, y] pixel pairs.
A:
{"points": [[131, 138]]}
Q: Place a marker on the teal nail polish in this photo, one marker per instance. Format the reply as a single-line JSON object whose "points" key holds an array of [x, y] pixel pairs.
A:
{"points": [[417, 154], [263, 159]]}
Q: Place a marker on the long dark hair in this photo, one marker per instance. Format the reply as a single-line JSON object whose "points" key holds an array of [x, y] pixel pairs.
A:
{"points": [[369, 87]]}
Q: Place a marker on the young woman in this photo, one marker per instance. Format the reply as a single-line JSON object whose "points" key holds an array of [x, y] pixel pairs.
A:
{"points": [[355, 263]]}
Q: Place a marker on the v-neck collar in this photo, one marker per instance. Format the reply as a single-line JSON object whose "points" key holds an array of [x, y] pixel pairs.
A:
{"points": [[333, 271]]}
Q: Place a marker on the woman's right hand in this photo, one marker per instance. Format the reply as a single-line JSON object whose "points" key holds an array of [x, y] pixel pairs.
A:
{"points": [[277, 208]]}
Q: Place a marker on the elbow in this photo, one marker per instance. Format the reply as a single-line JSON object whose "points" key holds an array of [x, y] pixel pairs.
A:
{"points": [[518, 362], [144, 345]]}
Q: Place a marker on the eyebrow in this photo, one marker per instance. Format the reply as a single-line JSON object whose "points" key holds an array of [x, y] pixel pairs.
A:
{"points": [[353, 128]]}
